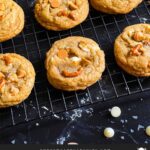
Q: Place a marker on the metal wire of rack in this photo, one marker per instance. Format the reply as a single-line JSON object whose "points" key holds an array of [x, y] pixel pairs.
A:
{"points": [[35, 41]]}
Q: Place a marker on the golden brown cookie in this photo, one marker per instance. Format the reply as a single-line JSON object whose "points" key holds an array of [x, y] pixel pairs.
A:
{"points": [[61, 14], [11, 19], [74, 63], [115, 6], [132, 50], [17, 78]]}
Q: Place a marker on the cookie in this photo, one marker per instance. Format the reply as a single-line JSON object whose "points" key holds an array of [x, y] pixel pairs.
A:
{"points": [[61, 14], [17, 77], [132, 50], [74, 63], [115, 6], [11, 19]]}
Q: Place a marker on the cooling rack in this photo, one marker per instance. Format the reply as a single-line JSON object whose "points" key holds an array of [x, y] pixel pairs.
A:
{"points": [[35, 41]]}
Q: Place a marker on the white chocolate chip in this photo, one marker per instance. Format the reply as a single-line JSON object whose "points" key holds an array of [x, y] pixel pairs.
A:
{"points": [[148, 130], [76, 59], [115, 112], [141, 148], [73, 143], [85, 49], [109, 132]]}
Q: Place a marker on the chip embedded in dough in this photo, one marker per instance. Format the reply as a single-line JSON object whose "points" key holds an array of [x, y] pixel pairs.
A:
{"points": [[74, 63], [11, 19], [132, 50], [17, 77], [115, 6], [61, 14]]}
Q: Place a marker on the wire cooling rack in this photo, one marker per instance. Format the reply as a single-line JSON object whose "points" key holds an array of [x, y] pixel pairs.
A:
{"points": [[35, 41]]}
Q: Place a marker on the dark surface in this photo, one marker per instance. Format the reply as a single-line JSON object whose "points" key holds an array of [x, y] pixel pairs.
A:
{"points": [[86, 125], [19, 124]]}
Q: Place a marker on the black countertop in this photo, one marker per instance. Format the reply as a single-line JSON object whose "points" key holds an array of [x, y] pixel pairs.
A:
{"points": [[85, 126]]}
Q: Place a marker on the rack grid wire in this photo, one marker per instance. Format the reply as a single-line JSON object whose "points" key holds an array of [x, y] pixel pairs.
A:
{"points": [[35, 41]]}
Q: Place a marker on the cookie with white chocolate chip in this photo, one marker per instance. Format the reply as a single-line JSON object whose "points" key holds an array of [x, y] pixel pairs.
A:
{"points": [[11, 19], [61, 14], [132, 50], [74, 63], [17, 77]]}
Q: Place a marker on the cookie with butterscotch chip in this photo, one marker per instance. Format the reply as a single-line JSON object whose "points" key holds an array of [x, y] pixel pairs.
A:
{"points": [[11, 19], [61, 14], [17, 77], [115, 6], [74, 63], [132, 50]]}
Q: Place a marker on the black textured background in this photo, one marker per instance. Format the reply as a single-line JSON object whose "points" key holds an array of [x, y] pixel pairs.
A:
{"points": [[21, 124]]}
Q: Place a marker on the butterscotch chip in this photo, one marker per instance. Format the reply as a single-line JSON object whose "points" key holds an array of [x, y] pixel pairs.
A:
{"points": [[115, 6], [61, 14], [72, 16], [1, 75], [2, 82], [16, 80], [72, 5], [62, 54], [132, 50], [21, 73], [1, 18], [11, 19], [54, 3], [7, 59], [71, 74], [77, 69]]}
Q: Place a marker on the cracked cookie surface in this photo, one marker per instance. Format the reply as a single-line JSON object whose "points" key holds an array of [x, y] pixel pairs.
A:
{"points": [[11, 19], [17, 77], [61, 14], [132, 50], [115, 6], [74, 63]]}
